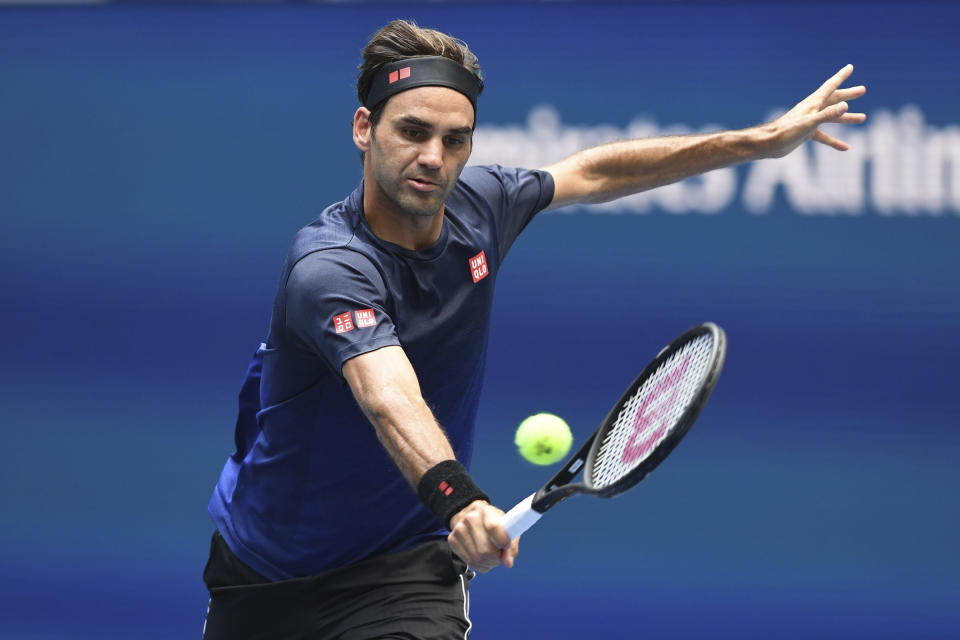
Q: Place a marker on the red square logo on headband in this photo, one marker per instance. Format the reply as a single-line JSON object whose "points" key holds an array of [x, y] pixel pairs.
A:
{"points": [[399, 74]]}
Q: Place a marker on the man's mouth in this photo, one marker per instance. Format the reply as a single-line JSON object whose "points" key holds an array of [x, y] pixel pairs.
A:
{"points": [[421, 184]]}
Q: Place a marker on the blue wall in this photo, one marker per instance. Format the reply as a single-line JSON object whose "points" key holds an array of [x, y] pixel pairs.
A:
{"points": [[155, 161]]}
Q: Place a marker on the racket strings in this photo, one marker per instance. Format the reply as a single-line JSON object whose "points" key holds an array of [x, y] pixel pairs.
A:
{"points": [[654, 411]]}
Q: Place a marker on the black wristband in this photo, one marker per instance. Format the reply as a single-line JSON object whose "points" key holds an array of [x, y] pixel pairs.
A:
{"points": [[446, 488]]}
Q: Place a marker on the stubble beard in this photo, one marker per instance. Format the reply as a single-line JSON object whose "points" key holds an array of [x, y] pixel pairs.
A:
{"points": [[398, 192], [420, 207]]}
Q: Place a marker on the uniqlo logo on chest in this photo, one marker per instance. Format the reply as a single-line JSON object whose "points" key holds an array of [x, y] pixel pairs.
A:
{"points": [[478, 267], [365, 318], [343, 323]]}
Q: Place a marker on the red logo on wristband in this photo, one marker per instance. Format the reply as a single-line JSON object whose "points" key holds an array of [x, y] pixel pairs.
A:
{"points": [[445, 488]]}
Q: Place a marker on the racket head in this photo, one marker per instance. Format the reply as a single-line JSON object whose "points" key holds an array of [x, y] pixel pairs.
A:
{"points": [[655, 412]]}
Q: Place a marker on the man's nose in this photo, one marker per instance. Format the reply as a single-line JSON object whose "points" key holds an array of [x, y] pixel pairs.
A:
{"points": [[431, 153]]}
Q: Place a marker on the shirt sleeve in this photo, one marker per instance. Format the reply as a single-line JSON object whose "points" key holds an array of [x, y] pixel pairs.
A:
{"points": [[515, 196], [336, 305]]}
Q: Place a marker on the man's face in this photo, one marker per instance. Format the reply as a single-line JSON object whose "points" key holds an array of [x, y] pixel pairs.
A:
{"points": [[419, 147]]}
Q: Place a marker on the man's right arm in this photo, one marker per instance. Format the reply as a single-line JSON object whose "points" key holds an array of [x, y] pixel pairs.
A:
{"points": [[387, 390]]}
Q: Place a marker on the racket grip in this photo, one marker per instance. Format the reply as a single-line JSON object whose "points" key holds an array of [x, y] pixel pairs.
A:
{"points": [[521, 517]]}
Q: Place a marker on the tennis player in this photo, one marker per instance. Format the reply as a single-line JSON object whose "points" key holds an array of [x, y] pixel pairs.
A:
{"points": [[347, 510]]}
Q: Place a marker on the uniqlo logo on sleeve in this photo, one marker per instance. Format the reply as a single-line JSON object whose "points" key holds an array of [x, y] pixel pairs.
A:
{"points": [[478, 267], [343, 323], [365, 318]]}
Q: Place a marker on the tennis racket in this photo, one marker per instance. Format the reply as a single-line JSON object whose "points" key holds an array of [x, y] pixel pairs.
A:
{"points": [[643, 428]]}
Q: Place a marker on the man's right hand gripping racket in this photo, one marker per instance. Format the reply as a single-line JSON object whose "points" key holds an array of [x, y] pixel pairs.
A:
{"points": [[646, 424]]}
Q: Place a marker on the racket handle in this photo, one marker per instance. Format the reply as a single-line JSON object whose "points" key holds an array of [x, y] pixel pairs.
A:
{"points": [[521, 517]]}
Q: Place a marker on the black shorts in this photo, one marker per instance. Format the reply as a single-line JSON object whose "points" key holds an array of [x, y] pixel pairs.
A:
{"points": [[419, 593]]}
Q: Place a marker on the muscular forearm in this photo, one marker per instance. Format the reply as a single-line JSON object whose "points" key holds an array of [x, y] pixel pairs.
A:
{"points": [[409, 433], [618, 169], [387, 392]]}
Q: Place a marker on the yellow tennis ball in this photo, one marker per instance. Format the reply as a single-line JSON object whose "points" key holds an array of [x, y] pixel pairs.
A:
{"points": [[543, 438]]}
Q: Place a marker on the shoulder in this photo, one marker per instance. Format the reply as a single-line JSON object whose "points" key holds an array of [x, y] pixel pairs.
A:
{"points": [[335, 227], [479, 175], [334, 268], [330, 247], [496, 182]]}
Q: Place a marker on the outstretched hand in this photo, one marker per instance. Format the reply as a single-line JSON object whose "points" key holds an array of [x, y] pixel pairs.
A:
{"points": [[826, 104]]}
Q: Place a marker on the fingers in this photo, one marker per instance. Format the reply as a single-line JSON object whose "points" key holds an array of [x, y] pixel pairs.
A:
{"points": [[480, 538], [828, 104], [842, 95], [852, 118], [838, 113], [832, 114], [508, 555], [829, 140], [493, 523], [501, 539], [832, 84], [471, 543]]}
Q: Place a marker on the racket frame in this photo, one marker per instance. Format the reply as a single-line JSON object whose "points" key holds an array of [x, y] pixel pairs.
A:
{"points": [[560, 486]]}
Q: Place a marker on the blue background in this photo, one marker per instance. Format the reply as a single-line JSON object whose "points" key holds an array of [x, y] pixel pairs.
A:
{"points": [[156, 160]]}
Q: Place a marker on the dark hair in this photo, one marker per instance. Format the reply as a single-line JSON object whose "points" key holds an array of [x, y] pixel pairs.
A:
{"points": [[404, 39]]}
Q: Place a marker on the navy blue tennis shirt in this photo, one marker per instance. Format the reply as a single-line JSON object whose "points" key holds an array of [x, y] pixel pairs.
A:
{"points": [[310, 488]]}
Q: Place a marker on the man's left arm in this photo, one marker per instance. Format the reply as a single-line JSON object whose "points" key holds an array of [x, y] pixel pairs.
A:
{"points": [[619, 169]]}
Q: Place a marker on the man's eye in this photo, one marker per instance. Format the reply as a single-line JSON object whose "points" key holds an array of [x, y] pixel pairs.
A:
{"points": [[411, 133], [454, 141]]}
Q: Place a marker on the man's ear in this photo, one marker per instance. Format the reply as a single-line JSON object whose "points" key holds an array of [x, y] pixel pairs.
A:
{"points": [[362, 129]]}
